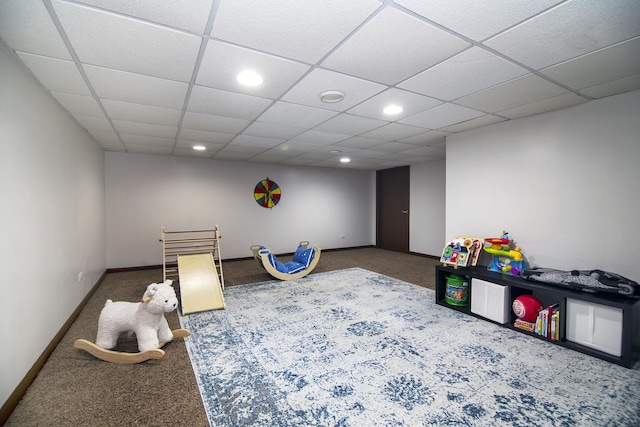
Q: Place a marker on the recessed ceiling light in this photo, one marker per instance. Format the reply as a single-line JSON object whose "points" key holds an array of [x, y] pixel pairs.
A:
{"points": [[332, 96], [392, 109], [345, 160], [249, 78], [199, 147], [335, 151]]}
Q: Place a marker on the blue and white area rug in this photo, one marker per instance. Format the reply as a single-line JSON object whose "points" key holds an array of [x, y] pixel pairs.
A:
{"points": [[355, 348]]}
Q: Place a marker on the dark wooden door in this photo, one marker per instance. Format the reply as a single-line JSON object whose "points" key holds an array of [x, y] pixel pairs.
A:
{"points": [[392, 209]]}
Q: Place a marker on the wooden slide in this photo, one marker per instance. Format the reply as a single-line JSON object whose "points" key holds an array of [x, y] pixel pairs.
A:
{"points": [[193, 258], [200, 289]]}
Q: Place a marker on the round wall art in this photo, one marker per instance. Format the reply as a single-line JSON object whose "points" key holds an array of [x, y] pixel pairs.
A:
{"points": [[267, 193]]}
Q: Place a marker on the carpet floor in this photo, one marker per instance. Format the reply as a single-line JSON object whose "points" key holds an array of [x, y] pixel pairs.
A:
{"points": [[75, 389], [357, 348]]}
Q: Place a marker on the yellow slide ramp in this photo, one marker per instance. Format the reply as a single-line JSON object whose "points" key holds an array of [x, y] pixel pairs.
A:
{"points": [[200, 288]]}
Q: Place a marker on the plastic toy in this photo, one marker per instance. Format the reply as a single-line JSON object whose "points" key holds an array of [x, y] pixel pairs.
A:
{"points": [[526, 307], [304, 261], [462, 251], [505, 260], [145, 319], [457, 290]]}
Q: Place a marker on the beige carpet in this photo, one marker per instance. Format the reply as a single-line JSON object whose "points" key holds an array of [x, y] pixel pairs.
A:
{"points": [[75, 389]]}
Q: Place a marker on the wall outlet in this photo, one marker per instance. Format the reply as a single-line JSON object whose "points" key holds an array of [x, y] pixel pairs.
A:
{"points": [[80, 276], [342, 236]]}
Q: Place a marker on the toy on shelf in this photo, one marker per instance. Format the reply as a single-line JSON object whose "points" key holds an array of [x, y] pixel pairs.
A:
{"points": [[526, 307], [462, 251], [457, 290], [505, 260]]}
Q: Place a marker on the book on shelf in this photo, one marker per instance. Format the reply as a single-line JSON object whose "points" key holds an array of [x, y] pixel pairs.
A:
{"points": [[548, 322], [525, 326]]}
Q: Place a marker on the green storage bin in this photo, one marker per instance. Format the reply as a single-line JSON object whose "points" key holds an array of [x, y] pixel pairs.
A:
{"points": [[457, 290]]}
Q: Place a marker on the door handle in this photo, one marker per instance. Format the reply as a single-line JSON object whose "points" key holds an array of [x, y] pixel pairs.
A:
{"points": [[405, 212]]}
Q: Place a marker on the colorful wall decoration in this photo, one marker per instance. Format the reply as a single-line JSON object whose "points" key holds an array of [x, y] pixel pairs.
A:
{"points": [[267, 193]]}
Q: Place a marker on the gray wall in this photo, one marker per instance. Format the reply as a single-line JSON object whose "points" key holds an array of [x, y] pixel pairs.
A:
{"points": [[427, 208], [564, 184], [52, 187], [146, 192]]}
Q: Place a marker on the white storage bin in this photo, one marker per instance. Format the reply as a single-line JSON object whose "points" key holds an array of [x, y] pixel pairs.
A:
{"points": [[490, 300], [594, 325]]}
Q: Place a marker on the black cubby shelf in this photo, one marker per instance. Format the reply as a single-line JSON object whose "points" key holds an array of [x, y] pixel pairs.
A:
{"points": [[625, 323]]}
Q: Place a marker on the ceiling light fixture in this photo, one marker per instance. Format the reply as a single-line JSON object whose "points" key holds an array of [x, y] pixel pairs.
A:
{"points": [[345, 160], [199, 147], [249, 78], [335, 151], [392, 109], [331, 96]]}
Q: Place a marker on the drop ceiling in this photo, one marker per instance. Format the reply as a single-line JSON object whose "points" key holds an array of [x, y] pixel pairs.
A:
{"points": [[159, 76]]}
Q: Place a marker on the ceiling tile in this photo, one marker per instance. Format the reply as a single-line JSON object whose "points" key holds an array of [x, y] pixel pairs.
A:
{"points": [[392, 47], [136, 128], [121, 110], [441, 145], [25, 25], [514, 93], [393, 132], [205, 136], [308, 90], [142, 77], [137, 140], [56, 74], [358, 142], [227, 104], [320, 138], [428, 138], [92, 123], [225, 154], [305, 31], [426, 151], [242, 149], [213, 123], [270, 130], [613, 88], [394, 147], [301, 147], [441, 116], [348, 124], [167, 12], [190, 152], [79, 104], [136, 88], [465, 73], [287, 114], [274, 155], [107, 139], [297, 161], [255, 141], [595, 68], [477, 19], [410, 102], [115, 41], [569, 30], [489, 119], [544, 105], [222, 63], [211, 147], [148, 149]]}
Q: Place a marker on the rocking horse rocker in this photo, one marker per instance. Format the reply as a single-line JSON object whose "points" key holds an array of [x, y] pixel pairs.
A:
{"points": [[145, 319], [304, 261]]}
